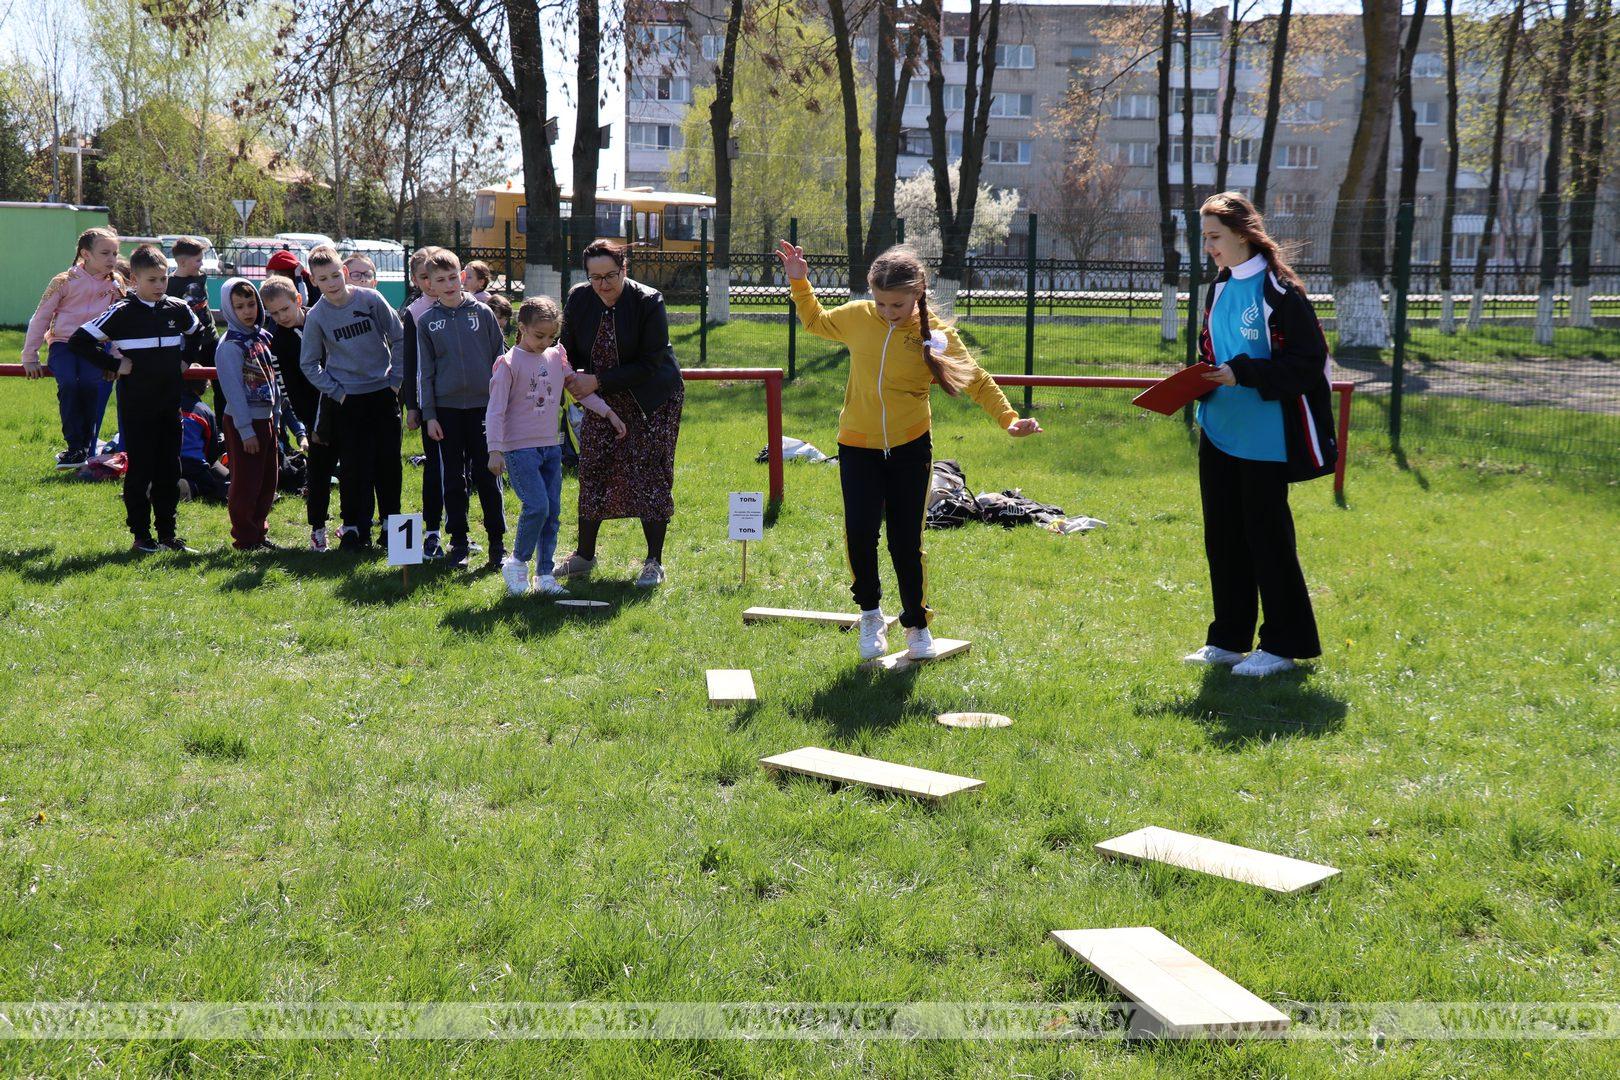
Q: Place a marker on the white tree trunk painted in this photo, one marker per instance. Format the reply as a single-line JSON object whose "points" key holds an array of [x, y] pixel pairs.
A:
{"points": [[719, 296], [1359, 310], [1476, 311], [1448, 313], [541, 281], [1580, 307], [1545, 302], [1168, 323], [943, 302]]}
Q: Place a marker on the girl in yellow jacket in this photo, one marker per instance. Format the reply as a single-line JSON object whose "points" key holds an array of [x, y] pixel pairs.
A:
{"points": [[897, 351]]}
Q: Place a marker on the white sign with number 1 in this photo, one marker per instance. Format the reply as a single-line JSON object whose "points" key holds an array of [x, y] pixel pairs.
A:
{"points": [[404, 539]]}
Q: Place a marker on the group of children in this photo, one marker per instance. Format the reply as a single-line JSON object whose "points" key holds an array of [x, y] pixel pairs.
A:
{"points": [[314, 361]]}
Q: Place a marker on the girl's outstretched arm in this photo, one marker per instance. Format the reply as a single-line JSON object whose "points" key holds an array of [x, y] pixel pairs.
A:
{"points": [[816, 319]]}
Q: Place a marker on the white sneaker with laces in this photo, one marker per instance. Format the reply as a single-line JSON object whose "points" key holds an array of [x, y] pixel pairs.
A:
{"points": [[874, 639], [919, 643], [1211, 654], [517, 577], [550, 586], [652, 573], [1261, 663], [574, 565]]}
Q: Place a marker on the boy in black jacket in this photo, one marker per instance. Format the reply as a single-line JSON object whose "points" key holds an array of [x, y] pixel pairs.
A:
{"points": [[143, 338]]}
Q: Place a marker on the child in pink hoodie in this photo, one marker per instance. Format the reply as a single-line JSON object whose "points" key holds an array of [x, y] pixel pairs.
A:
{"points": [[73, 298], [525, 397]]}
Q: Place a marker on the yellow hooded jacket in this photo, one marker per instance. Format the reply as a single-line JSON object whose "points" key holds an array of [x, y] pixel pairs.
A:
{"points": [[886, 398]]}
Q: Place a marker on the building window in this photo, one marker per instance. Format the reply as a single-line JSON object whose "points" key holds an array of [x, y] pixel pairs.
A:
{"points": [[917, 96], [714, 47], [664, 40], [1136, 199], [1006, 151], [1132, 153], [862, 50], [1203, 101], [921, 144], [1012, 105], [1301, 112], [1082, 54], [1429, 112], [1205, 148], [1252, 57], [1296, 156], [677, 88], [655, 137], [1465, 246], [1243, 151], [1135, 107], [1206, 54], [1428, 159], [1428, 65], [956, 50], [1293, 202], [1020, 57]]}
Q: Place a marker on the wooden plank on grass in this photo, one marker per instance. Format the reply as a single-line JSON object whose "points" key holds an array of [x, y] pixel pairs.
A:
{"points": [[829, 618], [944, 648], [883, 775], [1279, 873], [730, 687], [1182, 994]]}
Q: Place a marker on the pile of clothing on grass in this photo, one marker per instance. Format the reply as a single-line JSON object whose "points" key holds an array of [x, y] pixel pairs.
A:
{"points": [[951, 503]]}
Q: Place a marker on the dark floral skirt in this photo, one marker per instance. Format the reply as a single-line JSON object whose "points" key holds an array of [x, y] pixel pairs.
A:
{"points": [[633, 477]]}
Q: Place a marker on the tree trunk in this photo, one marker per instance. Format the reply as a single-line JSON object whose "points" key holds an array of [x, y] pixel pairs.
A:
{"points": [[891, 104], [720, 116], [1167, 221], [1357, 257], [1586, 163], [843, 53], [1448, 222], [1268, 129], [956, 224], [1223, 150], [1551, 178], [1493, 198], [587, 129], [1189, 209], [1411, 141]]}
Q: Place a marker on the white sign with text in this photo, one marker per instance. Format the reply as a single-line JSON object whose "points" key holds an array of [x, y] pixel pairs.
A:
{"points": [[748, 515]]}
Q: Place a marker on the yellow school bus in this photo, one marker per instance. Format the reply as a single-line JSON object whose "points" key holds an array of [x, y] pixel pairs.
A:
{"points": [[656, 221]]}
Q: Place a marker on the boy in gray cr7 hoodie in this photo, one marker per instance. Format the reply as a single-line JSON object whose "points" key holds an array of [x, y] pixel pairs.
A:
{"points": [[252, 402], [360, 337], [457, 343]]}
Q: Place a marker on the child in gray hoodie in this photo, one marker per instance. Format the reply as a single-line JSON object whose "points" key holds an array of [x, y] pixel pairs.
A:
{"points": [[457, 344], [252, 404]]}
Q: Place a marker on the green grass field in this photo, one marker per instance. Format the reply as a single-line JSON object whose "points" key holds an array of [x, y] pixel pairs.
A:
{"points": [[233, 777]]}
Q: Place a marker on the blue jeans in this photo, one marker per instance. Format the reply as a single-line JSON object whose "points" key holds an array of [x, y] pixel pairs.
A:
{"points": [[535, 473], [81, 396]]}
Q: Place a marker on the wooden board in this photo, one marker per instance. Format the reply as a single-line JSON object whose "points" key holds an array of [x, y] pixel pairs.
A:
{"points": [[974, 719], [883, 775], [1278, 873], [730, 687], [830, 618], [1181, 995], [944, 648], [588, 605]]}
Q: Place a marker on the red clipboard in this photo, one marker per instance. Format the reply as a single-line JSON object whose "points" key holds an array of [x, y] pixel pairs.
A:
{"points": [[1170, 395]]}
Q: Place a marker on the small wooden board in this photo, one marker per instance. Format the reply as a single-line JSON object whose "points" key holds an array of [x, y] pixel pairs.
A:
{"points": [[585, 605], [730, 687], [830, 618], [1279, 873], [974, 719], [883, 775], [944, 648], [1182, 996]]}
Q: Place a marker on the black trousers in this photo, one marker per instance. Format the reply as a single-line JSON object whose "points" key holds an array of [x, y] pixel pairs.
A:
{"points": [[319, 463], [432, 483], [893, 489], [464, 452], [206, 484], [368, 443], [1249, 541], [151, 434]]}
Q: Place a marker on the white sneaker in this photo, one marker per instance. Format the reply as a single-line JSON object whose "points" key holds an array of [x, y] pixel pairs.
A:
{"points": [[550, 586], [317, 540], [652, 573], [919, 643], [1261, 663], [516, 575], [874, 640], [1210, 654]]}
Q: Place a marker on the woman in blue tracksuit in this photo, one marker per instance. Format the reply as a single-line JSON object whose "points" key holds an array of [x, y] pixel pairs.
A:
{"points": [[1267, 424]]}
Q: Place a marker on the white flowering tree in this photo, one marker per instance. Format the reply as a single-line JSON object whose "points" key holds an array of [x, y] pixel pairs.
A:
{"points": [[914, 202]]}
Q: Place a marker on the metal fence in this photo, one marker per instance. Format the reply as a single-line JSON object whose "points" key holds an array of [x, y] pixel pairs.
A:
{"points": [[1482, 387]]}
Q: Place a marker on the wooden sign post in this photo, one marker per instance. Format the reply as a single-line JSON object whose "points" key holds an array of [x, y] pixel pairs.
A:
{"points": [[747, 522], [405, 541]]}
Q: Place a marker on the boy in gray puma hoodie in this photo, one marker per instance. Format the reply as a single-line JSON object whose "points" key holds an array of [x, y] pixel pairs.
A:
{"points": [[457, 343]]}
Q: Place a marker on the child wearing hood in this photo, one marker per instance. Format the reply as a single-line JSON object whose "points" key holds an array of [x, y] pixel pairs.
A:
{"points": [[252, 402]]}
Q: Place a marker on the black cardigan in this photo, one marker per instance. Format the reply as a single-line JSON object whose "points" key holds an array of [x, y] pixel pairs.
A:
{"points": [[1295, 374], [647, 367]]}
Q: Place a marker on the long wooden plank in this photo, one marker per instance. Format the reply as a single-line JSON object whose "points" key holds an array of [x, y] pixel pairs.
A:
{"points": [[1184, 996], [944, 648], [729, 687], [1279, 873], [883, 775], [830, 618]]}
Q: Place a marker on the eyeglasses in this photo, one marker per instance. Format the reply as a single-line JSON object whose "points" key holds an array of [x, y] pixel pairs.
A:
{"points": [[605, 279]]}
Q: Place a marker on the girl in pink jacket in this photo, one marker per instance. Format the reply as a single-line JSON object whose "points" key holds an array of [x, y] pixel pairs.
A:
{"points": [[74, 297], [521, 426]]}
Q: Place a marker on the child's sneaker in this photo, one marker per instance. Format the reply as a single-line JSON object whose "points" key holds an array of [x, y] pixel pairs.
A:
{"points": [[317, 540], [516, 575], [431, 551], [457, 554], [919, 643], [874, 639], [574, 566], [497, 558], [550, 586], [349, 539], [177, 544], [144, 545], [1261, 663], [1212, 654], [71, 459]]}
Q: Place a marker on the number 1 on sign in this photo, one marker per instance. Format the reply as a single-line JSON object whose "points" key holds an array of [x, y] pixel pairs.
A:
{"points": [[404, 543]]}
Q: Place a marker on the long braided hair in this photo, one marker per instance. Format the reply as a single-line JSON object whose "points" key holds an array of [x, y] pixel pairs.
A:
{"points": [[900, 268]]}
